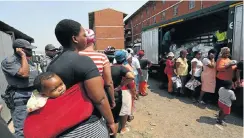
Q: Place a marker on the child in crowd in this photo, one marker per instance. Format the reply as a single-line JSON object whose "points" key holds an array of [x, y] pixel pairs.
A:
{"points": [[48, 85], [226, 96]]}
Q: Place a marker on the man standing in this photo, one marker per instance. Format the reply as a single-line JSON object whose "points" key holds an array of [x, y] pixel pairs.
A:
{"points": [[20, 73], [219, 41], [51, 52], [167, 41], [145, 65]]}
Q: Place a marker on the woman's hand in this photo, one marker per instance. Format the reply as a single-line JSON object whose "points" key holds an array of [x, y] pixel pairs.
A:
{"points": [[113, 104], [113, 130], [117, 88]]}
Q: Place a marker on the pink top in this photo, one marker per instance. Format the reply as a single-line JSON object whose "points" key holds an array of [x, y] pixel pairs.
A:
{"points": [[169, 69]]}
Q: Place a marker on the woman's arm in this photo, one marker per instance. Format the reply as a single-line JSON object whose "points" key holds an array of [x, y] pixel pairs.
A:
{"points": [[193, 68], [177, 66], [109, 82]]}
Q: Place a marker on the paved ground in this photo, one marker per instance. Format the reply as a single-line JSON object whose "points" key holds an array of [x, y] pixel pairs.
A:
{"points": [[160, 115]]}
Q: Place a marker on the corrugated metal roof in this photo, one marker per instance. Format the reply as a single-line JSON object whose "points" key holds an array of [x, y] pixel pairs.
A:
{"points": [[18, 34]]}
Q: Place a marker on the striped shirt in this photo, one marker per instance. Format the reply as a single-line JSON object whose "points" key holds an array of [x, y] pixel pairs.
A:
{"points": [[99, 59]]}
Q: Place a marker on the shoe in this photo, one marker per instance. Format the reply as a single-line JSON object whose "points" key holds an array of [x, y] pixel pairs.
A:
{"points": [[202, 102], [222, 123], [123, 131], [194, 100]]}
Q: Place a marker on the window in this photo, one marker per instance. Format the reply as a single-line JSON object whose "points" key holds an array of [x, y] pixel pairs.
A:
{"points": [[147, 12], [154, 5], [142, 25], [191, 4], [175, 10], [163, 15], [163, 1], [154, 19], [141, 16]]}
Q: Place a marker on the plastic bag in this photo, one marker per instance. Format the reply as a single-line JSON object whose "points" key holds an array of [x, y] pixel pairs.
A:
{"points": [[192, 84], [177, 82]]}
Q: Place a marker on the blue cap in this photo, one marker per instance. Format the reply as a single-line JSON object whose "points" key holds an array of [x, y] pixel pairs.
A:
{"points": [[120, 55]]}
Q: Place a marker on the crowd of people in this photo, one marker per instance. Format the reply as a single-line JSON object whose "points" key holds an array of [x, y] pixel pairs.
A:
{"points": [[217, 78], [78, 92]]}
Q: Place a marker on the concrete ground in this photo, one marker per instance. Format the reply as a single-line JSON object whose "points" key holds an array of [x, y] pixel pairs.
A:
{"points": [[160, 115]]}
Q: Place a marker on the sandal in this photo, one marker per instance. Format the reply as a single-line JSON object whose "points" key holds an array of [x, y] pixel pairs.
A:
{"points": [[123, 131]]}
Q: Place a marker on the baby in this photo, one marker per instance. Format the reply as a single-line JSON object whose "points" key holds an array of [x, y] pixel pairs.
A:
{"points": [[48, 85]]}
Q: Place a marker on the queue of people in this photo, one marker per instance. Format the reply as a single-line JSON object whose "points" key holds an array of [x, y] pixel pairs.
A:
{"points": [[79, 93], [216, 78]]}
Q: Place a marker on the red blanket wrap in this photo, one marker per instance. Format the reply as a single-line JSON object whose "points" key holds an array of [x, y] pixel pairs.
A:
{"points": [[59, 114]]}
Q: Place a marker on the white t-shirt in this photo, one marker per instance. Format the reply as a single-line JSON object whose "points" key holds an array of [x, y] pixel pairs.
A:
{"points": [[198, 70], [226, 96], [135, 65]]}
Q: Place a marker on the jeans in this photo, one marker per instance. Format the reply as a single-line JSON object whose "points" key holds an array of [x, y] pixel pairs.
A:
{"points": [[137, 82], [19, 113]]}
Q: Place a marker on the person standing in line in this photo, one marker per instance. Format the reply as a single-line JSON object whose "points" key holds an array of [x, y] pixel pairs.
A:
{"points": [[51, 52], [196, 71], [208, 76], [145, 65], [225, 69], [126, 108], [73, 68], [169, 70], [182, 70], [226, 96], [20, 73], [136, 69], [102, 64]]}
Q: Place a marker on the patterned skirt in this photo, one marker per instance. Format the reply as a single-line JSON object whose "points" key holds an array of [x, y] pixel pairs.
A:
{"points": [[97, 129]]}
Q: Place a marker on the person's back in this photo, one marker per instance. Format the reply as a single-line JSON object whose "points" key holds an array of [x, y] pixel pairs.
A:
{"points": [[226, 96]]}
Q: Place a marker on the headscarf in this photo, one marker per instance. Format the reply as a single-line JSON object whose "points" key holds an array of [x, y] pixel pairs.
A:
{"points": [[223, 50], [90, 35], [120, 57]]}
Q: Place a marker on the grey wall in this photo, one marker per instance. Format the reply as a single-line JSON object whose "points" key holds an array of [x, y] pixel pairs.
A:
{"points": [[5, 51]]}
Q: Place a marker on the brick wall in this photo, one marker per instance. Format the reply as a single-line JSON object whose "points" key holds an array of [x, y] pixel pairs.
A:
{"points": [[109, 29], [183, 8]]}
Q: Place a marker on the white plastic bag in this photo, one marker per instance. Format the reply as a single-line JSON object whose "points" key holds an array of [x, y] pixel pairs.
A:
{"points": [[192, 84], [177, 82]]}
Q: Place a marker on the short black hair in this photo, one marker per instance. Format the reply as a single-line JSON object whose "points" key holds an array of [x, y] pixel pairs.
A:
{"points": [[227, 84], [212, 51], [64, 31], [196, 52], [40, 78]]}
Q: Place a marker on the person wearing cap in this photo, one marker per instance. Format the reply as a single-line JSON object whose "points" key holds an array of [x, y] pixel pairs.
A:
{"points": [[182, 70], [126, 109], [145, 64], [51, 52], [136, 69], [20, 73], [169, 70]]}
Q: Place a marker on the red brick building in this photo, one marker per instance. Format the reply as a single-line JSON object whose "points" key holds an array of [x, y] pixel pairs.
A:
{"points": [[153, 12], [109, 28]]}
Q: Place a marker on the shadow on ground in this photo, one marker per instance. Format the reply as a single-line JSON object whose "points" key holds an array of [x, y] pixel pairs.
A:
{"points": [[212, 120], [155, 88]]}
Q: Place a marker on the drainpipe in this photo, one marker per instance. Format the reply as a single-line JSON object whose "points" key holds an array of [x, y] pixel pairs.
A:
{"points": [[132, 33]]}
